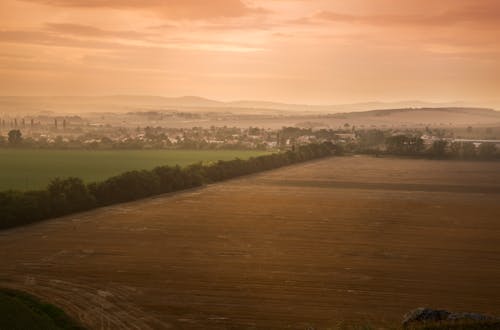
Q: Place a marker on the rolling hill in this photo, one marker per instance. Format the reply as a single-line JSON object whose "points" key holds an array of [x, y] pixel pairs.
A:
{"points": [[124, 103]]}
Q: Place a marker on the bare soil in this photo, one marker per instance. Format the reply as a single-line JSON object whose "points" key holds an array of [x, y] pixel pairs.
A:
{"points": [[343, 239]]}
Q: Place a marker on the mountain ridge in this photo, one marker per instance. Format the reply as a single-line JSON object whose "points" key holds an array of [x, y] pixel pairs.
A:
{"points": [[148, 102]]}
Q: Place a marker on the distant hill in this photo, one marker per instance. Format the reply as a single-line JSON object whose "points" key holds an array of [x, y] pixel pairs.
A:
{"points": [[125, 103], [419, 117], [350, 107], [119, 108], [114, 103], [423, 112]]}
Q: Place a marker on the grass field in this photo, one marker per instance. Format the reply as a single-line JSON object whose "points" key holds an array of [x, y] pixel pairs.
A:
{"points": [[21, 311], [344, 239], [31, 169]]}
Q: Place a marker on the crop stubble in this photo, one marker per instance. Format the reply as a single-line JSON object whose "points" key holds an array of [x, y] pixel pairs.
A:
{"points": [[352, 238]]}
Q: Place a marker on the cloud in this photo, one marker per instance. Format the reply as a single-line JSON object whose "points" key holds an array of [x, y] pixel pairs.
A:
{"points": [[232, 47], [461, 28], [90, 31], [45, 38], [171, 9], [481, 14], [48, 39]]}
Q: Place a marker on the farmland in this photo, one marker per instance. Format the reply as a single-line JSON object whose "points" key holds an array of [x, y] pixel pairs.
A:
{"points": [[354, 239], [32, 169]]}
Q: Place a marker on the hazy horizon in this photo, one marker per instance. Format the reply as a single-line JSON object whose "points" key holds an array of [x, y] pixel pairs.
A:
{"points": [[362, 105]]}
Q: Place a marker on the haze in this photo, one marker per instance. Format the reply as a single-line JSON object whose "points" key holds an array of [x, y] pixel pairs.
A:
{"points": [[317, 52], [249, 164]]}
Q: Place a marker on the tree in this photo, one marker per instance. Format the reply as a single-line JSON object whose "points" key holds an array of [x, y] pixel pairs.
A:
{"points": [[438, 148], [487, 150], [395, 144], [371, 138], [69, 195], [15, 137], [463, 149], [468, 150], [404, 145]]}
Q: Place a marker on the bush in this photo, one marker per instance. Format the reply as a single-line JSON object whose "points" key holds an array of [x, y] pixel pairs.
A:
{"points": [[126, 187], [69, 195], [438, 148], [487, 150]]}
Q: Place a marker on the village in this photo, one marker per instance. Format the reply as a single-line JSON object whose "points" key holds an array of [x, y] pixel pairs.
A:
{"points": [[216, 131]]}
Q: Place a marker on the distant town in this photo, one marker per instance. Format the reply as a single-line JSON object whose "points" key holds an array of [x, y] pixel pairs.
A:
{"points": [[212, 130]]}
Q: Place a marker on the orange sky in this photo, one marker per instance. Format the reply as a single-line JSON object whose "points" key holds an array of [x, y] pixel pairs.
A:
{"points": [[314, 51]]}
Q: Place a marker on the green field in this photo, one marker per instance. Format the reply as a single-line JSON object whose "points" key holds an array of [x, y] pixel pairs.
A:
{"points": [[33, 169], [20, 311]]}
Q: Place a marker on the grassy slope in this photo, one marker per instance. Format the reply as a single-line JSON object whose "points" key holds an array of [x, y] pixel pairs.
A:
{"points": [[21, 311], [32, 169]]}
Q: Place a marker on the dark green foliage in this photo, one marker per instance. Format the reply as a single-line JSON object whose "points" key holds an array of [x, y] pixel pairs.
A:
{"points": [[465, 150], [69, 195], [15, 137], [404, 145], [125, 187], [487, 150], [65, 196], [468, 150], [411, 144], [438, 148], [20, 311], [62, 196], [371, 138], [170, 178], [23, 207]]}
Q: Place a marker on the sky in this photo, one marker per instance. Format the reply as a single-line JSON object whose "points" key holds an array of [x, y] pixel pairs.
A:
{"points": [[299, 51]]}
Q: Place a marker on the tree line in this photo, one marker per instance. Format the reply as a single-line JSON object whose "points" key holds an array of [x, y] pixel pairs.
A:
{"points": [[382, 142], [69, 195], [437, 143], [441, 148]]}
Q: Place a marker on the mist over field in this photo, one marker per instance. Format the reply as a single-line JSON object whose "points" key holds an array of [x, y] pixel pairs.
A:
{"points": [[249, 164]]}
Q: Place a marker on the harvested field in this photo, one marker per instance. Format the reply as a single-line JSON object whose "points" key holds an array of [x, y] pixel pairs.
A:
{"points": [[342, 239]]}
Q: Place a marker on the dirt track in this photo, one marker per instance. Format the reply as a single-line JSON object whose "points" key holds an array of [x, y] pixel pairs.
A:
{"points": [[354, 238]]}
